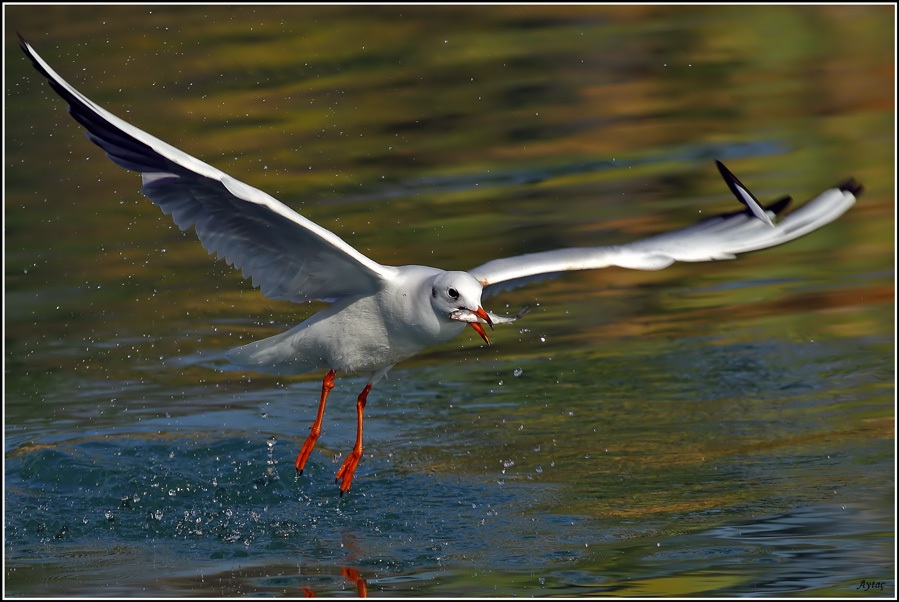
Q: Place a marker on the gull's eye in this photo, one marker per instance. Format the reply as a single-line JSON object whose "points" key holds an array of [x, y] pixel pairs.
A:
{"points": [[434, 291], [453, 293]]}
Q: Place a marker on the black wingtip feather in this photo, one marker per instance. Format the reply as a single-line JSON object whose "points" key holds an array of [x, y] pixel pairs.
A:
{"points": [[779, 205], [120, 147], [26, 48], [852, 186], [733, 182]]}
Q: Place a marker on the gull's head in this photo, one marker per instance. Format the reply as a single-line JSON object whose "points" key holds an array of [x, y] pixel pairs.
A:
{"points": [[457, 295]]}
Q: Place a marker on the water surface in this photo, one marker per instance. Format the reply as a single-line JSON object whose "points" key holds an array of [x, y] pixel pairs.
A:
{"points": [[707, 430]]}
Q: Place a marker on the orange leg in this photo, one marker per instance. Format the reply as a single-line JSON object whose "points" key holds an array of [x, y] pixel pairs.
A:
{"points": [[345, 474], [316, 428]]}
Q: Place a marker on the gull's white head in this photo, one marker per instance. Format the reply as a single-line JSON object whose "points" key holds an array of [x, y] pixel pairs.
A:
{"points": [[457, 295]]}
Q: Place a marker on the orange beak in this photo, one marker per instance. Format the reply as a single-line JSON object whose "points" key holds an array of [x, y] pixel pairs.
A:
{"points": [[477, 325]]}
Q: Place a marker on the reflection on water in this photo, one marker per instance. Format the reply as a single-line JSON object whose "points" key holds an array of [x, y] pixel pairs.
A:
{"points": [[711, 429]]}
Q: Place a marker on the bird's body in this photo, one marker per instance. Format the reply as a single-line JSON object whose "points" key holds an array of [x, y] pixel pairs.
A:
{"points": [[360, 333], [381, 315]]}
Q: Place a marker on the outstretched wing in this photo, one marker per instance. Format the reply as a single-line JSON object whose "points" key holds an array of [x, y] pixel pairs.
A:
{"points": [[286, 255], [717, 237]]}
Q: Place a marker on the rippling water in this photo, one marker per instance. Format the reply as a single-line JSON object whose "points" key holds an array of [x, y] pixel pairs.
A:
{"points": [[711, 429]]}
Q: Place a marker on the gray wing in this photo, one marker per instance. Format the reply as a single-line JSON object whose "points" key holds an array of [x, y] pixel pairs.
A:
{"points": [[717, 237], [286, 255]]}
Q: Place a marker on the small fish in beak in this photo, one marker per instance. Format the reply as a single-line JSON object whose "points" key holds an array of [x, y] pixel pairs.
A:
{"points": [[474, 317]]}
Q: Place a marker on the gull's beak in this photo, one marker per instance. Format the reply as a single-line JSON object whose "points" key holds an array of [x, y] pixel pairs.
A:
{"points": [[479, 312]]}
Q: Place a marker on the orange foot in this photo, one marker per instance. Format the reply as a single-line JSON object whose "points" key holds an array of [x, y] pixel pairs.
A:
{"points": [[347, 470], [300, 464]]}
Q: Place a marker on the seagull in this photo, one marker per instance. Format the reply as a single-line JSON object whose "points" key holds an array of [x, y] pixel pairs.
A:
{"points": [[380, 315]]}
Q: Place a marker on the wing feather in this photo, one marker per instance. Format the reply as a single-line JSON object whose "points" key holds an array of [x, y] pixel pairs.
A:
{"points": [[286, 255], [718, 237]]}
